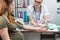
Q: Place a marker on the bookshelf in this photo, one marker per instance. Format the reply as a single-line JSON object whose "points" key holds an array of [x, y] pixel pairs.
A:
{"points": [[20, 6]]}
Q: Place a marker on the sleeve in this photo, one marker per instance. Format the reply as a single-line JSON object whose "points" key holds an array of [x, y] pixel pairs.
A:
{"points": [[46, 13], [3, 24], [19, 25], [29, 11]]}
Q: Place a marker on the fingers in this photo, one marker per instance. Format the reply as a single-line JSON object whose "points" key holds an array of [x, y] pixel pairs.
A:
{"points": [[44, 29], [40, 29]]}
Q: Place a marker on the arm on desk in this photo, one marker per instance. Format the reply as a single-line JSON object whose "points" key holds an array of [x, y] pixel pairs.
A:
{"points": [[35, 29], [30, 28], [26, 27]]}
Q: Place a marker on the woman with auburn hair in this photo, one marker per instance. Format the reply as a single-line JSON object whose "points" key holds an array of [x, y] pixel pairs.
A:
{"points": [[7, 23]]}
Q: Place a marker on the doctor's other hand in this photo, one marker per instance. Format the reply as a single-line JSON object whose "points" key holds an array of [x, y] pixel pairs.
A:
{"points": [[40, 29]]}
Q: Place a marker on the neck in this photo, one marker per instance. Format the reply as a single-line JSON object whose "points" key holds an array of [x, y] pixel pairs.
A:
{"points": [[37, 9], [6, 14]]}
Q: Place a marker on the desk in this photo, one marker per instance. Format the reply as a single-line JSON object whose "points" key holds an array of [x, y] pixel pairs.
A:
{"points": [[48, 33], [52, 35], [41, 33]]}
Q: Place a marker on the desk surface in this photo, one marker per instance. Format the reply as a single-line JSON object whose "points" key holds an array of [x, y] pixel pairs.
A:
{"points": [[55, 30]]}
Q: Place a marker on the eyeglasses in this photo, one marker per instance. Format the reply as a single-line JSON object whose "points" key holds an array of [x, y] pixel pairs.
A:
{"points": [[38, 2]]}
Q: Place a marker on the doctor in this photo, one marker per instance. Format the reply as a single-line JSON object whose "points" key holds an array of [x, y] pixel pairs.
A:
{"points": [[38, 13]]}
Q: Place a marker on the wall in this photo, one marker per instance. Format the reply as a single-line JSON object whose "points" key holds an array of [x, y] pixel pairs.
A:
{"points": [[52, 8]]}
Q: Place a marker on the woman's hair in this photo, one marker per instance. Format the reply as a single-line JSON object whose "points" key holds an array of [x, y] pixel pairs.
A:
{"points": [[8, 2], [10, 18], [2, 7], [6, 9]]}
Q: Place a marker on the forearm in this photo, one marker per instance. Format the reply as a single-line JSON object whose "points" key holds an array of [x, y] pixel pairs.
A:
{"points": [[28, 27], [32, 21], [45, 20], [35, 29]]}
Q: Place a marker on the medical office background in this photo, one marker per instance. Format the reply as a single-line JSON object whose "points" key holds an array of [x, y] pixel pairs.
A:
{"points": [[53, 8]]}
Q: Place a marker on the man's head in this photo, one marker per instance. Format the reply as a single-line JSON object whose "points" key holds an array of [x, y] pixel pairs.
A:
{"points": [[37, 3]]}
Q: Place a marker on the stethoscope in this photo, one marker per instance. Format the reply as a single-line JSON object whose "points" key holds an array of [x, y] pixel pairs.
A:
{"points": [[37, 16]]}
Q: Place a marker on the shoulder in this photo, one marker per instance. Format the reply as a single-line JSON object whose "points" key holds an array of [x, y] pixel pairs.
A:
{"points": [[3, 22], [1, 18], [44, 6], [30, 7]]}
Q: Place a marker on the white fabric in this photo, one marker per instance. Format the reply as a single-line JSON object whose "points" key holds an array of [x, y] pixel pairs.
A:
{"points": [[44, 11]]}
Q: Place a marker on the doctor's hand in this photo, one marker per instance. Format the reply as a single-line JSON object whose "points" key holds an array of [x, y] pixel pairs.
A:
{"points": [[46, 23], [40, 29], [36, 24]]}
